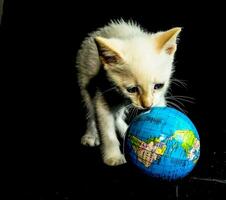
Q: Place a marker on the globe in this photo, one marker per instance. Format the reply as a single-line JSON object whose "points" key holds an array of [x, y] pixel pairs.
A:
{"points": [[162, 143]]}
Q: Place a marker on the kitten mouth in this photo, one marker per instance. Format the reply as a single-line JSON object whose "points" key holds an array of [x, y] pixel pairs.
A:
{"points": [[146, 109], [140, 108]]}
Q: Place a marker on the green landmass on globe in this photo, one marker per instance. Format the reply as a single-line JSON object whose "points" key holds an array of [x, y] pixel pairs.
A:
{"points": [[189, 143]]}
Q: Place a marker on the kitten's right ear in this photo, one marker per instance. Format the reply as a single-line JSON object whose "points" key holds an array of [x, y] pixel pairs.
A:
{"points": [[107, 53], [167, 40]]}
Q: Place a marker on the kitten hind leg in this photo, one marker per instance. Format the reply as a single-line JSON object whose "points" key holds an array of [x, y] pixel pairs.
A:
{"points": [[110, 146], [91, 136]]}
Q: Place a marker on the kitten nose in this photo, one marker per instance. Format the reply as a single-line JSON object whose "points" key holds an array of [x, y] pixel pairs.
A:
{"points": [[146, 102], [147, 107]]}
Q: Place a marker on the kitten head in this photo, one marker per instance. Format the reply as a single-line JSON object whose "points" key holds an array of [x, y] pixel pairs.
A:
{"points": [[140, 66]]}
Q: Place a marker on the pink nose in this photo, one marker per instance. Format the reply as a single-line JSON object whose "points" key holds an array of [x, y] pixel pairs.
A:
{"points": [[146, 102], [147, 106]]}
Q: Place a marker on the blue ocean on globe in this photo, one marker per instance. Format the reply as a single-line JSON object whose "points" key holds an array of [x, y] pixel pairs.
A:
{"points": [[163, 143]]}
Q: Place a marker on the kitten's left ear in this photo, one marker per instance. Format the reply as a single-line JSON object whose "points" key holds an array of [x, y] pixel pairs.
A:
{"points": [[107, 51], [167, 41]]}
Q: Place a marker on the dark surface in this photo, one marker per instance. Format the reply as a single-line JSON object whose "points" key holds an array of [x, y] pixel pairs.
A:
{"points": [[45, 118]]}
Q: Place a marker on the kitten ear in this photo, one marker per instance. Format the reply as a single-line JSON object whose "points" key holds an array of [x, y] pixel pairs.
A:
{"points": [[108, 54], [167, 41]]}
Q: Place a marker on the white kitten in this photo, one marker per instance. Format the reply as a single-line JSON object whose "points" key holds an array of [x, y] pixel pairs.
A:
{"points": [[121, 65]]}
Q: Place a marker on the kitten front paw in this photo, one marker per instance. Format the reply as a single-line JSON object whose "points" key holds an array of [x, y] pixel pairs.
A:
{"points": [[90, 140], [115, 160]]}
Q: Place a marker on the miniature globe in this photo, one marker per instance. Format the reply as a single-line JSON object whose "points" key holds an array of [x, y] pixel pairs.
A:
{"points": [[163, 143]]}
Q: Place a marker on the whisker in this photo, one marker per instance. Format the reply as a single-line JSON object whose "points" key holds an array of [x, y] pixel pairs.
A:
{"points": [[172, 104], [179, 82], [185, 99], [172, 98], [128, 106], [108, 90], [131, 114]]}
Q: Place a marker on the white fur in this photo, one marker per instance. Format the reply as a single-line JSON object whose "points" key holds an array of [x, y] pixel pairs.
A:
{"points": [[145, 63], [110, 146]]}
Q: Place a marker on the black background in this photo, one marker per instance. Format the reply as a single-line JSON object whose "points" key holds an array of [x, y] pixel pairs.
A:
{"points": [[44, 114]]}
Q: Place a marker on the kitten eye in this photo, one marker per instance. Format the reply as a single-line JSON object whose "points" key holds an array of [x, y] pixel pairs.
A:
{"points": [[158, 86], [134, 89]]}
